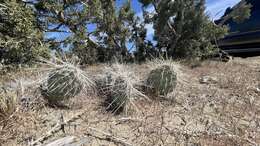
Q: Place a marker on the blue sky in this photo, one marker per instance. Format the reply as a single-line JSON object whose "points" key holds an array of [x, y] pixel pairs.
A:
{"points": [[214, 8]]}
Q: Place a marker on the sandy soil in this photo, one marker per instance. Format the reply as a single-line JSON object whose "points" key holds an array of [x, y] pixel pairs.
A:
{"points": [[215, 104]]}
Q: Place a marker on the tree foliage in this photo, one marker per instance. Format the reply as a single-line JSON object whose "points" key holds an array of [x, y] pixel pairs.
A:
{"points": [[20, 39], [114, 29], [67, 20], [144, 48], [108, 39], [183, 29], [100, 30], [239, 13]]}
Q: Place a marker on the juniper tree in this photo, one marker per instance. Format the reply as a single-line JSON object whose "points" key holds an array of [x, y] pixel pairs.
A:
{"points": [[21, 42], [238, 13], [71, 17], [67, 21], [144, 48], [138, 36], [115, 26], [183, 28]]}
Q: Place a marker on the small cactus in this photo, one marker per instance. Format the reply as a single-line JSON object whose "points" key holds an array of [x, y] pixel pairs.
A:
{"points": [[61, 84], [120, 87], [118, 97], [162, 80], [64, 81]]}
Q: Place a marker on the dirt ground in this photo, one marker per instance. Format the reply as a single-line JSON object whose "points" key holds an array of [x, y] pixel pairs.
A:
{"points": [[216, 104]]}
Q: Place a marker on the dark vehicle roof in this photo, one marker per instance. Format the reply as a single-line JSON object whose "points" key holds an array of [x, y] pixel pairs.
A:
{"points": [[251, 24], [245, 36]]}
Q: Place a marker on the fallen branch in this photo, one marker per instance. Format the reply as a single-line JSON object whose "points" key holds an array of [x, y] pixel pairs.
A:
{"points": [[63, 141], [58, 127], [107, 137]]}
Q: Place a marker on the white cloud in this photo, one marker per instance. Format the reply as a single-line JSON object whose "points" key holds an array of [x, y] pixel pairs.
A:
{"points": [[150, 9], [149, 27], [150, 30]]}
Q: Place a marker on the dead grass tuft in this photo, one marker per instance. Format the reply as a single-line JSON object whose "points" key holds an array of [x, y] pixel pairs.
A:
{"points": [[8, 104]]}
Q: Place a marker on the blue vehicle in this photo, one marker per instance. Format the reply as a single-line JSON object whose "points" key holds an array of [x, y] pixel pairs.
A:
{"points": [[243, 37]]}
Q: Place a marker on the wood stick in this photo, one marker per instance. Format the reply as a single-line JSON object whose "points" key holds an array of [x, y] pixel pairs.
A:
{"points": [[59, 126], [108, 137]]}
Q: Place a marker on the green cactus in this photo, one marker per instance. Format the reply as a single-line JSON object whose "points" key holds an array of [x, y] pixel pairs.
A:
{"points": [[62, 84], [162, 80], [120, 88], [118, 97]]}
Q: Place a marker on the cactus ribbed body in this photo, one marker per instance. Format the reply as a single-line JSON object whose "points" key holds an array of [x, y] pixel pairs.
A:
{"points": [[61, 84], [118, 97], [162, 80]]}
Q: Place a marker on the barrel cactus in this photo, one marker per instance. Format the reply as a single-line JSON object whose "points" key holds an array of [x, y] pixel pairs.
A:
{"points": [[61, 84], [121, 88], [118, 98], [162, 80], [64, 81]]}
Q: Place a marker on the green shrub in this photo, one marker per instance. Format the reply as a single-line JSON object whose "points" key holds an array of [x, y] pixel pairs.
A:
{"points": [[21, 41]]}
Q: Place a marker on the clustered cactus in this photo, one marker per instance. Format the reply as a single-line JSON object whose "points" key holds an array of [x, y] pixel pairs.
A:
{"points": [[162, 80], [118, 83]]}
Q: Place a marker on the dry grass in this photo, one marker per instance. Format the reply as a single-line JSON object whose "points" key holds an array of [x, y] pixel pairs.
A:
{"points": [[8, 104], [221, 113], [8, 113]]}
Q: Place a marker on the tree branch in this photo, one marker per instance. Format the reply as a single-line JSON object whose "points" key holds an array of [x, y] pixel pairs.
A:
{"points": [[168, 22]]}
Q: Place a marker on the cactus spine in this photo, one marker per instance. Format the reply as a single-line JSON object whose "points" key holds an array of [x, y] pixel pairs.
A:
{"points": [[162, 80]]}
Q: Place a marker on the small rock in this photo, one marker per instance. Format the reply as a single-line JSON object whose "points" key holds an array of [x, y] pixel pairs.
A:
{"points": [[208, 80], [258, 89], [69, 141], [63, 141], [80, 142]]}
